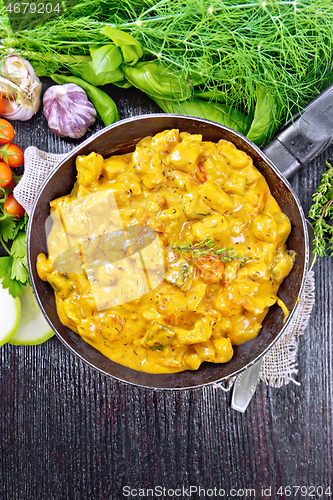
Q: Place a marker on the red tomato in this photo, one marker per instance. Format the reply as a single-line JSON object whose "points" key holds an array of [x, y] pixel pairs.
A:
{"points": [[11, 185], [13, 160], [12, 207], [6, 175], [7, 133], [211, 269], [2, 106]]}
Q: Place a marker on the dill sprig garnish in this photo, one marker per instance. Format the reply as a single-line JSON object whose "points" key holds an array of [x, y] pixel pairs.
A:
{"points": [[208, 248], [320, 212]]}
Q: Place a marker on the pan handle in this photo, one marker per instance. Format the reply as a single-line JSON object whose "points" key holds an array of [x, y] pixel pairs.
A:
{"points": [[305, 136]]}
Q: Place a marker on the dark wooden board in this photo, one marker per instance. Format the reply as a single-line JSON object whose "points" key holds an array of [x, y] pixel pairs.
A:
{"points": [[67, 432]]}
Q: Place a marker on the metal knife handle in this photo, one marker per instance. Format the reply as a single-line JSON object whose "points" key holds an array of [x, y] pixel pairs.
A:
{"points": [[245, 386], [305, 136]]}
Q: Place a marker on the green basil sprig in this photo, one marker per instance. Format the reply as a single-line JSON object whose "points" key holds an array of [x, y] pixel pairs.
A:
{"points": [[157, 81], [104, 67], [86, 72], [130, 48], [220, 113], [106, 58], [210, 95], [264, 120], [104, 105]]}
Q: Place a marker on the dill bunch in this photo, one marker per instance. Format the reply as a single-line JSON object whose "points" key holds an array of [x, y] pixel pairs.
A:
{"points": [[226, 49]]}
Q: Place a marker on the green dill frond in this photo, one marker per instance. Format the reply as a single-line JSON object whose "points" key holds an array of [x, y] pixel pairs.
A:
{"points": [[229, 48]]}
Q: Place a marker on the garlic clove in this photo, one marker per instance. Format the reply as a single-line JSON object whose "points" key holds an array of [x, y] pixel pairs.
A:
{"points": [[17, 68], [68, 111], [10, 106]]}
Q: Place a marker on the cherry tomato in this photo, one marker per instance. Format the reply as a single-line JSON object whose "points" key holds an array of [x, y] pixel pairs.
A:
{"points": [[7, 133], [6, 175], [2, 106], [12, 207], [11, 185], [13, 160]]}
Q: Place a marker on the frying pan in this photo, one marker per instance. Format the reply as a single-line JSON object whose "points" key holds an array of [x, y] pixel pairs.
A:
{"points": [[121, 138]]}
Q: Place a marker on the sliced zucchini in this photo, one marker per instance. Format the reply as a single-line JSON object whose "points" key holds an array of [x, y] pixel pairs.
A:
{"points": [[157, 337], [60, 283], [179, 272], [33, 328], [10, 311]]}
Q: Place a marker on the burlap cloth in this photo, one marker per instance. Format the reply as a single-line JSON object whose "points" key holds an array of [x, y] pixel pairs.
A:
{"points": [[280, 364]]}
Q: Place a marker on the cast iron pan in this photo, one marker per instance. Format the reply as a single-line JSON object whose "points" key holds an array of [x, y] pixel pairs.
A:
{"points": [[120, 138]]}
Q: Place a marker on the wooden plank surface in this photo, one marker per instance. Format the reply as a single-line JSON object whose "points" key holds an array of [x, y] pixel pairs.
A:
{"points": [[67, 432]]}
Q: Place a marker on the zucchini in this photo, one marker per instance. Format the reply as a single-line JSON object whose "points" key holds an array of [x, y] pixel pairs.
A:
{"points": [[179, 272], [10, 311], [60, 283], [157, 337], [33, 328]]}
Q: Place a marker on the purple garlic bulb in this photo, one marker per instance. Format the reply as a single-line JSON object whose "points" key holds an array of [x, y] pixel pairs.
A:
{"points": [[68, 111]]}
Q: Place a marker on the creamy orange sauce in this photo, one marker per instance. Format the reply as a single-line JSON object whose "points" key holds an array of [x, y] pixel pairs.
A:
{"points": [[188, 191]]}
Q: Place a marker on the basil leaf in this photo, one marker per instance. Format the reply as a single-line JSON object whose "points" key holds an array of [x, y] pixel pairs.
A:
{"points": [[156, 81], [105, 59], [124, 84], [86, 72], [220, 113], [265, 117], [103, 68], [104, 105], [210, 95], [131, 49]]}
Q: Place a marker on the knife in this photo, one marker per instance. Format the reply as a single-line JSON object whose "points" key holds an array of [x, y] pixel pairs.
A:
{"points": [[303, 138]]}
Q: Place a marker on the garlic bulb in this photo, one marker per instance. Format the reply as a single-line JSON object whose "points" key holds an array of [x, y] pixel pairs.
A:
{"points": [[68, 111], [20, 88]]}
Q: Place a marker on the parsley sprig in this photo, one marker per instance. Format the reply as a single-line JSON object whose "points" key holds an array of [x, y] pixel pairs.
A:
{"points": [[210, 248], [321, 212], [14, 267]]}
